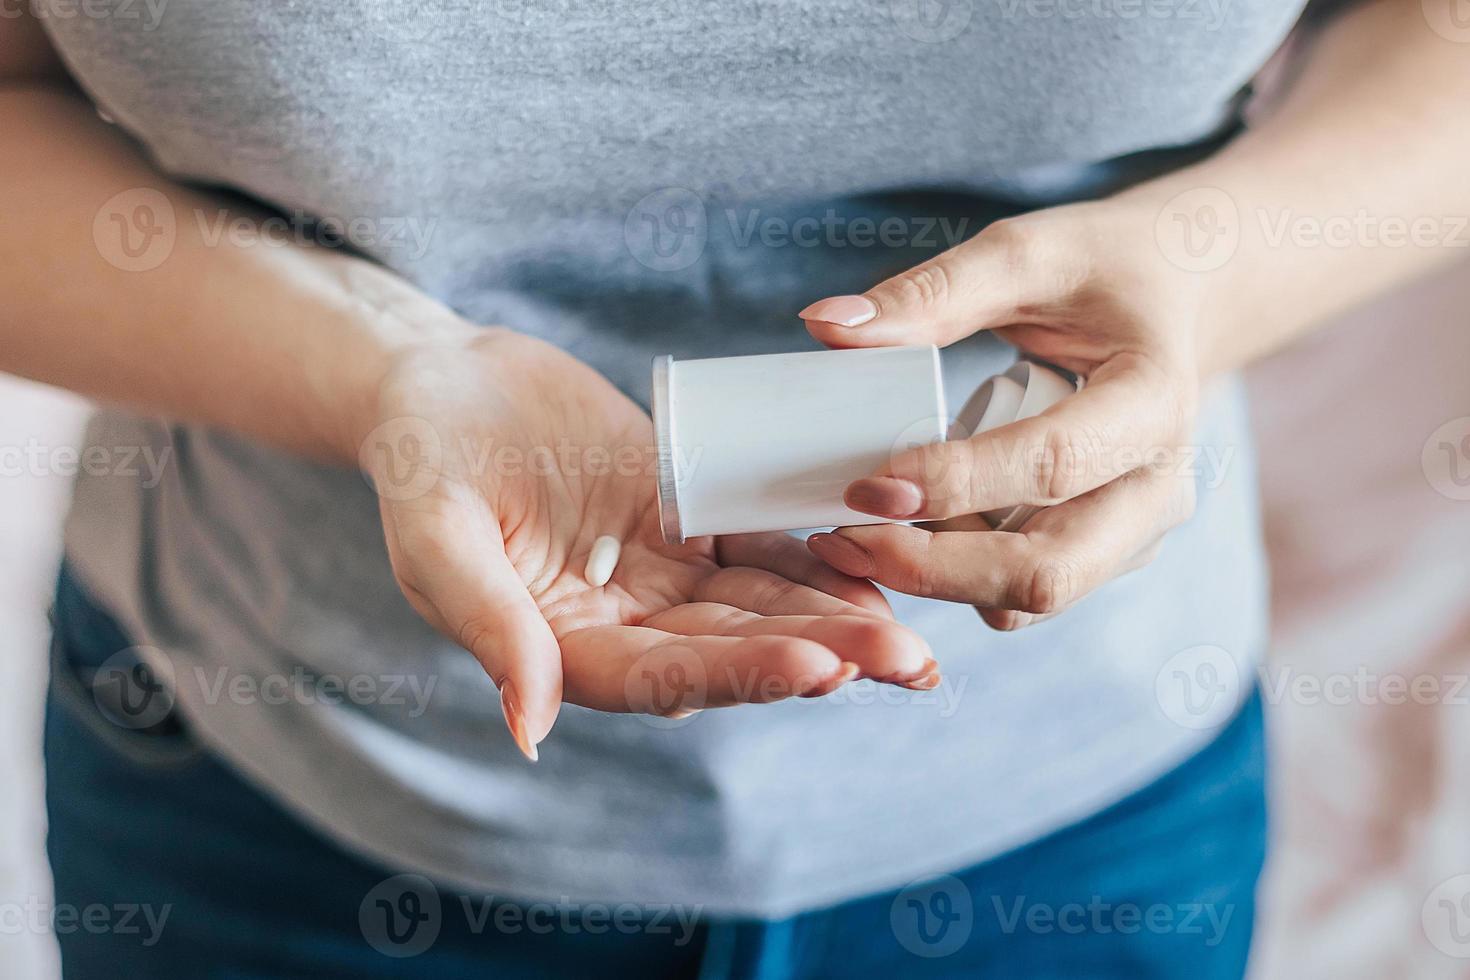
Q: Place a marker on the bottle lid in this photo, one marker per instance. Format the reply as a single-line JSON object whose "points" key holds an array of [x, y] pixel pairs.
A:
{"points": [[664, 440], [1024, 390]]}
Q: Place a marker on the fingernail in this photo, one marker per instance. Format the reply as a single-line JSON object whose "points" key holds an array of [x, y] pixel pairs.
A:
{"points": [[926, 683], [515, 720], [846, 671], [930, 666], [843, 554], [845, 311], [885, 496], [925, 677]]}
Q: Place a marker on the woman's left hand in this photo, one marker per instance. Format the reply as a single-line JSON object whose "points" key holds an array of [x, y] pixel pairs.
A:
{"points": [[1085, 287]]}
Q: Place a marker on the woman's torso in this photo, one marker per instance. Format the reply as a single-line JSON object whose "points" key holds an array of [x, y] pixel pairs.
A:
{"points": [[625, 181]]}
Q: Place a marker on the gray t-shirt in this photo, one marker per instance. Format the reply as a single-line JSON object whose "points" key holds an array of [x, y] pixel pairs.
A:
{"points": [[627, 180]]}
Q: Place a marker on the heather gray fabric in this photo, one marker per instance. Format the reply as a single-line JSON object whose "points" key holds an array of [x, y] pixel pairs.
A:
{"points": [[626, 180]]}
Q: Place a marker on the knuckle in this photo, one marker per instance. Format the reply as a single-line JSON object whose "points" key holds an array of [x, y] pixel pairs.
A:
{"points": [[1047, 586], [1061, 467], [728, 620], [770, 591], [1013, 241], [477, 635], [1005, 620], [926, 287], [908, 570], [947, 471], [973, 479], [961, 481]]}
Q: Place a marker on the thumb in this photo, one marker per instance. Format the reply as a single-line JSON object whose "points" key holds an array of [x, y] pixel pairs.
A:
{"points": [[463, 584], [977, 285]]}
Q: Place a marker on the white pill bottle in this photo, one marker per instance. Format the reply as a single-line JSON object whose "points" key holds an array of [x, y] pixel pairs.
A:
{"points": [[769, 442]]}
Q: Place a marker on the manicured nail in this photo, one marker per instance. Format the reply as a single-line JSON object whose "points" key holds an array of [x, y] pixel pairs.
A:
{"points": [[885, 496], [846, 671], [845, 311], [515, 720], [843, 554], [926, 683], [923, 679], [930, 666]]}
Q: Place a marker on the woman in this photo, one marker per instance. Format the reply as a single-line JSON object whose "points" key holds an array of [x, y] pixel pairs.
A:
{"points": [[438, 244]]}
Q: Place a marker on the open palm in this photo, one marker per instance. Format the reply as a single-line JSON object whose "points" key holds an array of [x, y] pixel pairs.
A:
{"points": [[500, 462]]}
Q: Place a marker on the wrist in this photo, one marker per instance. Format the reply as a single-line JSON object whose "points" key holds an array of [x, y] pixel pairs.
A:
{"points": [[393, 328], [1180, 251]]}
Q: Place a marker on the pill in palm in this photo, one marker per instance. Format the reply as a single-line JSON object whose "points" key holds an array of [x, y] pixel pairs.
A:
{"points": [[603, 559]]}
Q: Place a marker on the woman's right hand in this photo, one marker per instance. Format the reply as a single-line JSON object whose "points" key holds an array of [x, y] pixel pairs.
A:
{"points": [[499, 459]]}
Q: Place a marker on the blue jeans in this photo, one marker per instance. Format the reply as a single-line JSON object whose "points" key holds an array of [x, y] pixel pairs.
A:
{"points": [[169, 865]]}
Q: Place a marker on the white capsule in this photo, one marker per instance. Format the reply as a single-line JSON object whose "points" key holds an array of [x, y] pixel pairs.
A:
{"points": [[603, 559]]}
